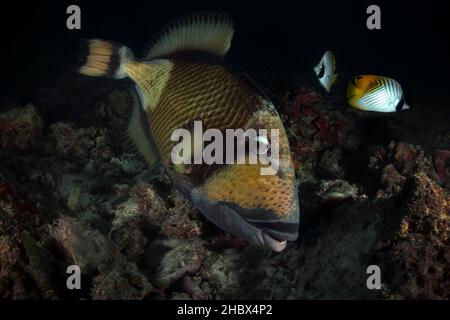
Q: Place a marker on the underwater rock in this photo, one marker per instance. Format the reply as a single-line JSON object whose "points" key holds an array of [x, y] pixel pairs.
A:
{"points": [[78, 200], [114, 276], [7, 198], [250, 273], [67, 182], [126, 231], [26, 207], [12, 278], [391, 181], [192, 286], [121, 190], [126, 283], [86, 247], [336, 253], [313, 128], [182, 219], [223, 241], [128, 165], [176, 218], [228, 274], [26, 270], [410, 159], [9, 253], [443, 140], [178, 259], [80, 143], [398, 162], [309, 118], [40, 267], [224, 273], [114, 111], [336, 191], [328, 164], [150, 204], [179, 296], [180, 227], [20, 129], [418, 252], [442, 166], [26, 265]]}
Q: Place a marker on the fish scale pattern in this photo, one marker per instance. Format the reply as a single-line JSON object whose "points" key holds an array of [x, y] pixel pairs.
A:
{"points": [[210, 93], [199, 91], [246, 187]]}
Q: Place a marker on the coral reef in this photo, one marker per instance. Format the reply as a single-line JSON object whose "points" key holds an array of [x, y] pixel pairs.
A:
{"points": [[318, 135], [420, 248], [20, 129], [442, 165], [73, 192]]}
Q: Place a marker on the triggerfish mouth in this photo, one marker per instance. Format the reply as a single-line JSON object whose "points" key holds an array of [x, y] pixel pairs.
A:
{"points": [[183, 80]]}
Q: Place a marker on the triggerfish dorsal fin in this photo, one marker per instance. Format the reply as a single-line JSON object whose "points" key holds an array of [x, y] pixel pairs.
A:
{"points": [[210, 32]]}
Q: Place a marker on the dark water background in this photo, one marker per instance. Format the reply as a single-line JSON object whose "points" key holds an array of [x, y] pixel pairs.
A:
{"points": [[413, 45]]}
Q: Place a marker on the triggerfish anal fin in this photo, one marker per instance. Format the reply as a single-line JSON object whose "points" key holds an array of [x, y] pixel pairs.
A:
{"points": [[210, 32]]}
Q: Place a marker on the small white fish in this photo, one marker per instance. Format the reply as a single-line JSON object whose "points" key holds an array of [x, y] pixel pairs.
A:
{"points": [[325, 70], [376, 93]]}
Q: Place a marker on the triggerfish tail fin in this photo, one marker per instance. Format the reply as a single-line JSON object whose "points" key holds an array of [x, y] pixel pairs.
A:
{"points": [[210, 32], [104, 59]]}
